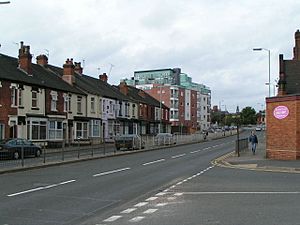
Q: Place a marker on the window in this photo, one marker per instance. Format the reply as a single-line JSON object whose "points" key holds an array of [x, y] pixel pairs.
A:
{"points": [[120, 108], [100, 105], [55, 130], [66, 102], [36, 129], [53, 100], [82, 130], [133, 110], [2, 131], [92, 104], [34, 99], [20, 97], [79, 104], [14, 96], [95, 128], [126, 109]]}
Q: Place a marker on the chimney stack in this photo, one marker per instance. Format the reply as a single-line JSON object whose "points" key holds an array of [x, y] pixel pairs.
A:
{"points": [[123, 88], [103, 77], [42, 60], [68, 72], [282, 80], [25, 58], [78, 68], [297, 46]]}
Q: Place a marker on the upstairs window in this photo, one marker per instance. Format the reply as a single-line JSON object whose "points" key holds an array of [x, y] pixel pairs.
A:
{"points": [[34, 99], [92, 104], [14, 96], [79, 104], [53, 100]]}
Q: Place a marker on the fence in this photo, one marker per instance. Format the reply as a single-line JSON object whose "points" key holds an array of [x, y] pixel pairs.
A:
{"points": [[80, 150]]}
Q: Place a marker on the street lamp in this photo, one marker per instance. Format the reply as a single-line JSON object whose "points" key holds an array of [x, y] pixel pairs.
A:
{"points": [[269, 53], [237, 131], [2, 3]]}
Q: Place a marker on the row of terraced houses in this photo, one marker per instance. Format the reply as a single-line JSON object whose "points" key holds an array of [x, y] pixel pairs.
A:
{"points": [[46, 103]]}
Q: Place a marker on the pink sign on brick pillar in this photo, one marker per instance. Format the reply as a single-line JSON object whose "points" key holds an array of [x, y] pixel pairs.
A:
{"points": [[281, 112]]}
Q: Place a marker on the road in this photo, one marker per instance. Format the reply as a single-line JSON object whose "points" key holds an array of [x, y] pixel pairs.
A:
{"points": [[170, 186]]}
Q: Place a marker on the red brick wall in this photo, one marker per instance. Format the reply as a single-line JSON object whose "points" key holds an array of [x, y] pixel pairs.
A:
{"points": [[6, 109], [283, 135], [59, 103]]}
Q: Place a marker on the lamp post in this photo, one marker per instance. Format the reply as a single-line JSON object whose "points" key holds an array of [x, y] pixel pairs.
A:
{"points": [[269, 54], [6, 2], [237, 131]]}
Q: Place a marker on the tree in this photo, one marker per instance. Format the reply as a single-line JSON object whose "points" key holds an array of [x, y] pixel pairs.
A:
{"points": [[248, 116]]}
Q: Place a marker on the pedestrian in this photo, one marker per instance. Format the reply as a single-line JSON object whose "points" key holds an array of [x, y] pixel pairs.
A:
{"points": [[254, 141]]}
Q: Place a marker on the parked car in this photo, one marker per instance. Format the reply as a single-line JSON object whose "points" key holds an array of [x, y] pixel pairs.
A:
{"points": [[258, 128], [164, 139], [18, 147], [129, 141]]}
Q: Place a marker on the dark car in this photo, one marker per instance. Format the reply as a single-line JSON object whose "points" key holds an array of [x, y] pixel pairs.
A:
{"points": [[18, 147], [129, 141]]}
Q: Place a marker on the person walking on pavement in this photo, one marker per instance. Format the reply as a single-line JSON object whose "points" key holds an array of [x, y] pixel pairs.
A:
{"points": [[254, 141]]}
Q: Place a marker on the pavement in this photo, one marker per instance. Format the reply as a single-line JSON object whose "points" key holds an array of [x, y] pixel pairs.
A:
{"points": [[257, 162]]}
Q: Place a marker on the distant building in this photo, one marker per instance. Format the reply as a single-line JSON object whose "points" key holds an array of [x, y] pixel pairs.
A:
{"points": [[189, 102]]}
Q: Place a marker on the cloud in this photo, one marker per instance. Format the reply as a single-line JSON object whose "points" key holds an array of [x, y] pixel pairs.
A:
{"points": [[211, 41]]}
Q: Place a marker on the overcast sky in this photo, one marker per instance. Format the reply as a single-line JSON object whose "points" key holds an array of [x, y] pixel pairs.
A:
{"points": [[211, 41]]}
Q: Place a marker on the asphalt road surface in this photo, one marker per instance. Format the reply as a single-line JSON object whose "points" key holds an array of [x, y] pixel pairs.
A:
{"points": [[175, 185]]}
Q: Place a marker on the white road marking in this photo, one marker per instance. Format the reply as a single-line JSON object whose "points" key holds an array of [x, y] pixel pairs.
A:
{"points": [[242, 192], [129, 210], [156, 161], [150, 211], [171, 198], [195, 151], [178, 194], [178, 156], [112, 219], [137, 219], [151, 199], [40, 188], [179, 183], [160, 194], [161, 204], [110, 172], [141, 204]]}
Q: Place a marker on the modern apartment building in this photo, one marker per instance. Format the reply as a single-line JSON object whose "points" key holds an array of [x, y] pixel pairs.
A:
{"points": [[189, 102]]}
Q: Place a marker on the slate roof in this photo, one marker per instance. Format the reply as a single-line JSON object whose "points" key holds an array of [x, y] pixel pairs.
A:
{"points": [[93, 85], [133, 93], [41, 76], [292, 76]]}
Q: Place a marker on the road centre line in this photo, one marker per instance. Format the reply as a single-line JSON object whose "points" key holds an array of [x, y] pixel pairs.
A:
{"points": [[242, 192], [129, 210], [196, 151], [156, 161], [177, 156], [150, 211], [110, 172], [40, 188], [112, 219], [137, 219]]}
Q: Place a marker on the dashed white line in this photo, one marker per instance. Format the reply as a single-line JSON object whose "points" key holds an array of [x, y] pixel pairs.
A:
{"points": [[129, 210], [150, 211], [178, 194], [110, 172], [112, 219], [161, 204], [141, 204], [151, 199], [195, 151], [241, 192], [161, 193], [40, 188], [137, 219], [156, 161], [178, 156]]}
